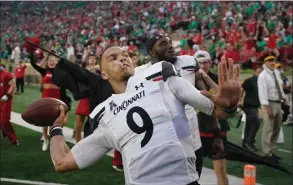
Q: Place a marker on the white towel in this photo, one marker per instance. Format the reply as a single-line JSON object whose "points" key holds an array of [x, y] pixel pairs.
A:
{"points": [[280, 139], [243, 120]]}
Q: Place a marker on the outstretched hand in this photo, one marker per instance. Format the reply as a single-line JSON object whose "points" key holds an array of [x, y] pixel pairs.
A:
{"points": [[229, 93]]}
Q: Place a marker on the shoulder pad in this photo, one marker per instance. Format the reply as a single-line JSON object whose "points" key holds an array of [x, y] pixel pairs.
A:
{"points": [[188, 62], [168, 70], [95, 116], [98, 113], [93, 123]]}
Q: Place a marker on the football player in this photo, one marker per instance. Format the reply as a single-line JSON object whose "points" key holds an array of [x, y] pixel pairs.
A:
{"points": [[145, 121], [160, 48]]}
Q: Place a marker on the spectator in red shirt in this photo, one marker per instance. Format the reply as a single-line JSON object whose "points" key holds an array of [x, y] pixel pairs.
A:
{"points": [[245, 54], [286, 54], [191, 51], [198, 39], [251, 26], [233, 53], [272, 42], [250, 58], [251, 41], [132, 47], [231, 37], [182, 51], [19, 76]]}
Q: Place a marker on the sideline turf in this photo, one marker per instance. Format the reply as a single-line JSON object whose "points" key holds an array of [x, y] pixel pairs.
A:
{"points": [[28, 162]]}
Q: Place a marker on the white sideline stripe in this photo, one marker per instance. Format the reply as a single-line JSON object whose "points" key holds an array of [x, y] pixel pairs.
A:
{"points": [[16, 119], [28, 182], [285, 151], [67, 132], [208, 176]]}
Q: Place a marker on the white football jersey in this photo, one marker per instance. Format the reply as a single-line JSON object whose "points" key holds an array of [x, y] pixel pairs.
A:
{"points": [[186, 65], [148, 125]]}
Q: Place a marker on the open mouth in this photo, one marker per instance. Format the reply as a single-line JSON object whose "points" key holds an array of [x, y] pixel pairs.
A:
{"points": [[171, 52], [125, 65]]}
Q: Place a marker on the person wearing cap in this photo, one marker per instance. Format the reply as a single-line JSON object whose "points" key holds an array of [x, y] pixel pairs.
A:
{"points": [[271, 96], [207, 135], [160, 48]]}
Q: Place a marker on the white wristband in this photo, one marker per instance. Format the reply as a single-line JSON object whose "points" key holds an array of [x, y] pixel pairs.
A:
{"points": [[54, 128]]}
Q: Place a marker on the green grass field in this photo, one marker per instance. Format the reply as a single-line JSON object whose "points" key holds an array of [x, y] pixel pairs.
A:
{"points": [[28, 162]]}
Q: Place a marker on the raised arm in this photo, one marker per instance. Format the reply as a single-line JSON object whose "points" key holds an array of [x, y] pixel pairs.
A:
{"points": [[226, 100], [81, 82], [79, 72], [186, 93]]}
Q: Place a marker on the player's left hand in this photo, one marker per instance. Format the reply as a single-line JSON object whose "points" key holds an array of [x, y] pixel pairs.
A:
{"points": [[229, 93], [62, 119], [4, 98]]}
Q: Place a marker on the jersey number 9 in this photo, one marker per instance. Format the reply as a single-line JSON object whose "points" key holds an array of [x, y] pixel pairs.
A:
{"points": [[147, 127]]}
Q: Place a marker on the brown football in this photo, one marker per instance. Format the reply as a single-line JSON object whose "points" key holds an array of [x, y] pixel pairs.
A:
{"points": [[43, 112]]}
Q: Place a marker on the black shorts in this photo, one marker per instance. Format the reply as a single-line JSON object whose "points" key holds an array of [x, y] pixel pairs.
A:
{"points": [[207, 146]]}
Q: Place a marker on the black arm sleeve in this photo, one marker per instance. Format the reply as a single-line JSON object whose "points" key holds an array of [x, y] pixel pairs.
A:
{"points": [[79, 81], [65, 98], [168, 70], [41, 70]]}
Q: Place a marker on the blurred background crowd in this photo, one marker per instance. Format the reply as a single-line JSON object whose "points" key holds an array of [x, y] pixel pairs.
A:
{"points": [[243, 31]]}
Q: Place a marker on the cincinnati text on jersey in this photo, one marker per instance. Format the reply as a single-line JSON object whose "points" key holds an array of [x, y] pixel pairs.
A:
{"points": [[128, 102]]}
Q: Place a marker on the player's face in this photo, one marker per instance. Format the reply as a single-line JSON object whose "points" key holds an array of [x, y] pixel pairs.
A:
{"points": [[116, 65], [92, 60], [164, 50], [52, 61]]}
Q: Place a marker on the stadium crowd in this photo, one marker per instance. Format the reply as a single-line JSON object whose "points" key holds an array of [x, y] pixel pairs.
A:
{"points": [[243, 31]]}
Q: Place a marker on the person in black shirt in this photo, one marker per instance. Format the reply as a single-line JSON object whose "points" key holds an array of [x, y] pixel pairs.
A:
{"points": [[49, 89], [251, 104], [205, 123], [82, 84]]}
